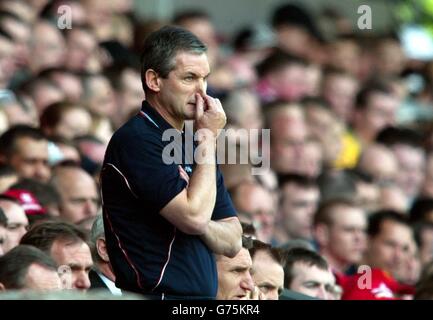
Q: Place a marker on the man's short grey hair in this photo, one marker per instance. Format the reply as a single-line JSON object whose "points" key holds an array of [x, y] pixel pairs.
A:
{"points": [[97, 230]]}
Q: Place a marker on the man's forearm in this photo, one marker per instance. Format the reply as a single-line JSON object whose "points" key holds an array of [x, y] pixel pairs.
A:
{"points": [[201, 191], [224, 236]]}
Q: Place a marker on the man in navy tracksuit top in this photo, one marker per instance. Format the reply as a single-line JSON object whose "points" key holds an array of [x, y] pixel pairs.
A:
{"points": [[164, 221]]}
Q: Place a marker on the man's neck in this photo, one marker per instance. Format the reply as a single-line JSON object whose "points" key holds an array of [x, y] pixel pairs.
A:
{"points": [[280, 235], [156, 104], [335, 263], [105, 269]]}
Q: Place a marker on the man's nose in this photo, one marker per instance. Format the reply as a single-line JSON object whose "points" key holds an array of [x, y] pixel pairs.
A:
{"points": [[361, 237], [247, 282], [43, 171], [82, 281], [322, 294], [400, 255], [299, 148], [90, 207], [202, 87]]}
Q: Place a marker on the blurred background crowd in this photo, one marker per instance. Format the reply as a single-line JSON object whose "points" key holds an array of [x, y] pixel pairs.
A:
{"points": [[351, 151]]}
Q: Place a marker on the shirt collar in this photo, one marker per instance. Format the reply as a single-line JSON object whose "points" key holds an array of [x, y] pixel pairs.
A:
{"points": [[154, 117], [110, 285]]}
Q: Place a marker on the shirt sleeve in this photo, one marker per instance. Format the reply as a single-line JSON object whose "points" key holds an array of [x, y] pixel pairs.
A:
{"points": [[224, 207]]}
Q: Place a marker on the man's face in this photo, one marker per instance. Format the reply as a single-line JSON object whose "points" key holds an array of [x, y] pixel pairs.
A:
{"points": [[259, 203], [30, 159], [290, 82], [268, 275], [289, 134], [21, 34], [345, 55], [298, 207], [393, 197], [70, 84], [380, 163], [380, 112], [389, 249], [3, 235], [131, 94], [79, 196], [76, 256], [45, 94], [40, 278], [179, 88], [81, 47], [367, 195], [391, 58], [48, 46], [312, 281], [101, 100], [412, 164], [234, 278], [293, 39], [347, 234], [7, 65], [17, 224], [74, 123], [340, 91]]}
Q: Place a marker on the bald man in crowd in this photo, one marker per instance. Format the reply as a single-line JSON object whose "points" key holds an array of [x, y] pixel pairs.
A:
{"points": [[78, 193]]}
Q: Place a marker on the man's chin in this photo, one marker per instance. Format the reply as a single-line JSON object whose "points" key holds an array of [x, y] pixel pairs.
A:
{"points": [[189, 113]]}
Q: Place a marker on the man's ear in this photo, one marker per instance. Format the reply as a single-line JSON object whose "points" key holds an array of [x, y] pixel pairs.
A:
{"points": [[2, 287], [101, 247], [152, 80], [321, 233]]}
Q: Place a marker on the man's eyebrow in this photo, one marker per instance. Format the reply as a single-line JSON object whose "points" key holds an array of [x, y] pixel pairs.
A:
{"points": [[79, 266], [74, 266], [267, 284], [239, 268], [192, 73], [83, 198]]}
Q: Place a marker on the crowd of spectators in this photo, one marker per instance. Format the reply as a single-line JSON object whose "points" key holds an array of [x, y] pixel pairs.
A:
{"points": [[345, 210]]}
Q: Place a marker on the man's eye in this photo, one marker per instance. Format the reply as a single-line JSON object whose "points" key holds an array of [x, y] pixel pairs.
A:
{"points": [[311, 285], [13, 226], [264, 289], [189, 78]]}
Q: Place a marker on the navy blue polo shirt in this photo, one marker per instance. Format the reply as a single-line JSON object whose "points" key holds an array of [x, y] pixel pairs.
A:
{"points": [[149, 254]]}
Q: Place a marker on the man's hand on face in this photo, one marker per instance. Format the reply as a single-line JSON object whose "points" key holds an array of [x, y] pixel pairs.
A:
{"points": [[209, 114]]}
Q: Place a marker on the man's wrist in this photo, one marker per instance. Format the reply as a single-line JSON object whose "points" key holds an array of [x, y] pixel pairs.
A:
{"points": [[205, 136]]}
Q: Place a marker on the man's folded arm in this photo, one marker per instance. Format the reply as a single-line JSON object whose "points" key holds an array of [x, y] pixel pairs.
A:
{"points": [[191, 210], [224, 236]]}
